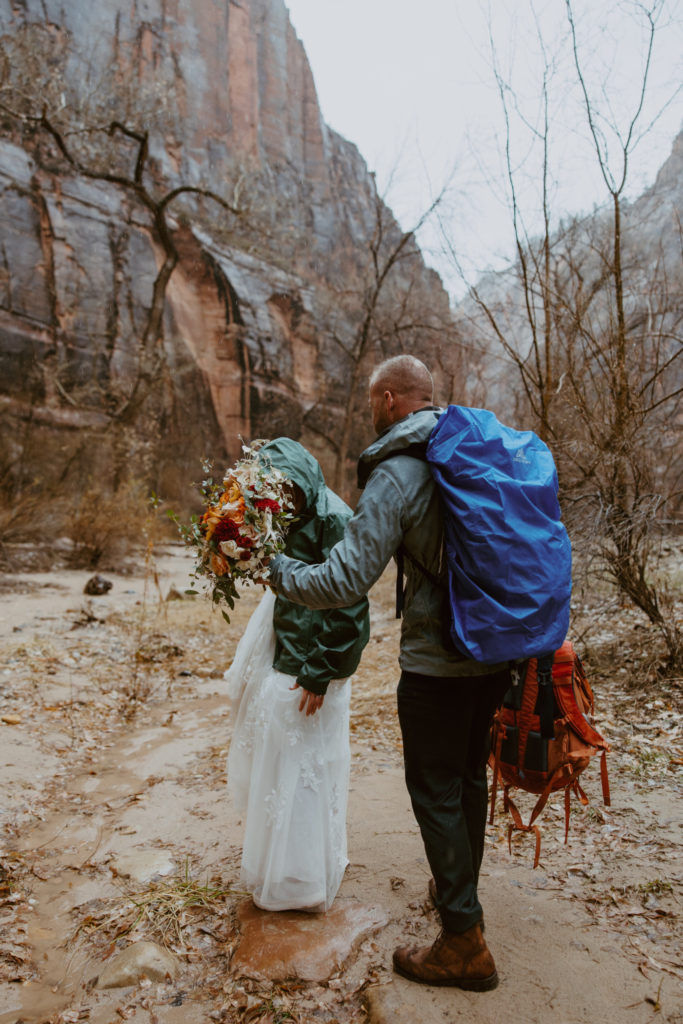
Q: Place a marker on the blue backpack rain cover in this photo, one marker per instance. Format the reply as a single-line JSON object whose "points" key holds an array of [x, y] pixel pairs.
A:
{"points": [[508, 554]]}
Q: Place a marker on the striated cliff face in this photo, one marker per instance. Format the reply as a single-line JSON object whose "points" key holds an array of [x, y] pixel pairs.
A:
{"points": [[254, 334]]}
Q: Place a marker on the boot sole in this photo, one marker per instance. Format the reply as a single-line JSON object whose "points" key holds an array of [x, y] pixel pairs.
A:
{"points": [[468, 984]]}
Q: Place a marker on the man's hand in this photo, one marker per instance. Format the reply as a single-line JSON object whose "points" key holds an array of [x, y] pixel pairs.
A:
{"points": [[264, 581], [310, 702]]}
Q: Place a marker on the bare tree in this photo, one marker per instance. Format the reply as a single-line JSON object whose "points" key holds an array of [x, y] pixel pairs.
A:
{"points": [[524, 329], [629, 349], [392, 311], [590, 318]]}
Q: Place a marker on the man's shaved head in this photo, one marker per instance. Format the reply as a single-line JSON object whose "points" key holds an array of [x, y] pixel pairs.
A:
{"points": [[398, 387], [405, 376]]}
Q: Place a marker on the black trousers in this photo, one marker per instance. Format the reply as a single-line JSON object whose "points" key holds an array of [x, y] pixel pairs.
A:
{"points": [[445, 723]]}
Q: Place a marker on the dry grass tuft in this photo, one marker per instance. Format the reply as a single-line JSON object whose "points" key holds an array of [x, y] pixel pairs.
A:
{"points": [[165, 910], [165, 906]]}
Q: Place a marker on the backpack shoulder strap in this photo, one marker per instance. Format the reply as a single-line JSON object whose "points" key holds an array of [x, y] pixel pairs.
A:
{"points": [[417, 450]]}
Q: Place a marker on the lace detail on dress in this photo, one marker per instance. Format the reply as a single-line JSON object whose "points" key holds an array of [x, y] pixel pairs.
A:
{"points": [[254, 723], [275, 805], [311, 772]]}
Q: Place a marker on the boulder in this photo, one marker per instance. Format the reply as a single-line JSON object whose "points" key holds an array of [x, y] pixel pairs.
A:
{"points": [[97, 585]]}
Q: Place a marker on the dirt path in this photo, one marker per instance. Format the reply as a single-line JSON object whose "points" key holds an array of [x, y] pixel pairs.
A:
{"points": [[113, 771]]}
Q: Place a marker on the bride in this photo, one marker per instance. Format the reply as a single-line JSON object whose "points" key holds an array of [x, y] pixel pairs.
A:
{"points": [[288, 764]]}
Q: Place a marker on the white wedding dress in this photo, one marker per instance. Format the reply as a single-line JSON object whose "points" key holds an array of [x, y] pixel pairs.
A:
{"points": [[289, 774]]}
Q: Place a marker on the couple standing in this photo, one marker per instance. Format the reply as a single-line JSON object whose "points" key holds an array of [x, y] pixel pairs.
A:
{"points": [[445, 702]]}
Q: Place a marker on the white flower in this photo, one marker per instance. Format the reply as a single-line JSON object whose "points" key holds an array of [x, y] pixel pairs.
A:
{"points": [[250, 564], [230, 548]]}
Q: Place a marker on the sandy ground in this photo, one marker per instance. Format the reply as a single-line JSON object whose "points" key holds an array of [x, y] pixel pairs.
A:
{"points": [[115, 726]]}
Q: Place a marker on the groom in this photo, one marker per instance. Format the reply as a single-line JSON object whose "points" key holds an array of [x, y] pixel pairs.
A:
{"points": [[445, 702]]}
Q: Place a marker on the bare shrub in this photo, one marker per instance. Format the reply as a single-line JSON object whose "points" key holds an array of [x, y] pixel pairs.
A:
{"points": [[16, 514], [106, 525]]}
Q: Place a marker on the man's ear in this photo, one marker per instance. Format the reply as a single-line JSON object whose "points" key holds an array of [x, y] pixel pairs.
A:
{"points": [[389, 399]]}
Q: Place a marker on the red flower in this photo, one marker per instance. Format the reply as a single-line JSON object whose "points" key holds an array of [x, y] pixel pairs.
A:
{"points": [[267, 503], [226, 529]]}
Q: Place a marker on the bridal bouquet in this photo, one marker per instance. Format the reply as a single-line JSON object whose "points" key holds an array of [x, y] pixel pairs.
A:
{"points": [[245, 523]]}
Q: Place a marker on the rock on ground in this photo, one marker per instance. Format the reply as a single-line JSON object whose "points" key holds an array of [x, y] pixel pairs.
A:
{"points": [[138, 961], [294, 944]]}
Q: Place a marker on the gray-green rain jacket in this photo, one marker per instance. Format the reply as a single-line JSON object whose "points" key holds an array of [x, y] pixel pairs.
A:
{"points": [[315, 646], [399, 506]]}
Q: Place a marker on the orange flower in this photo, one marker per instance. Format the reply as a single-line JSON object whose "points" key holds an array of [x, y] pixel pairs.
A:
{"points": [[210, 519], [232, 491], [235, 510], [219, 565]]}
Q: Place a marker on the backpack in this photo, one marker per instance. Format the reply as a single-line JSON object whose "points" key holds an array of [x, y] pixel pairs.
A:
{"points": [[507, 553], [542, 745]]}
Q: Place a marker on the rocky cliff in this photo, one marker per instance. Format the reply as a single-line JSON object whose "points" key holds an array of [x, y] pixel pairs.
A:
{"points": [[186, 246]]}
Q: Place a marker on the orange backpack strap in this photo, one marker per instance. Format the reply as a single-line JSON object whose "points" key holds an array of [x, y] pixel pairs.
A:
{"points": [[499, 732], [526, 712], [519, 826], [549, 787], [545, 703], [567, 804]]}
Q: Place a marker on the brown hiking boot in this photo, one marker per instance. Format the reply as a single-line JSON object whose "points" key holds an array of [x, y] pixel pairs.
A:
{"points": [[463, 961], [432, 896]]}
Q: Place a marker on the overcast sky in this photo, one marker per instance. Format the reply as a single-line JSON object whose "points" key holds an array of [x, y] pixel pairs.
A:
{"points": [[411, 83]]}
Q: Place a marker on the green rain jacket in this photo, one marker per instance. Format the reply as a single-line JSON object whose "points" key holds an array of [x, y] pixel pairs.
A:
{"points": [[314, 645]]}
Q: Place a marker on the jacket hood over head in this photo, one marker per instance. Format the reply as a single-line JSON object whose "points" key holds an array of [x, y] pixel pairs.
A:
{"points": [[315, 646], [406, 436], [292, 459]]}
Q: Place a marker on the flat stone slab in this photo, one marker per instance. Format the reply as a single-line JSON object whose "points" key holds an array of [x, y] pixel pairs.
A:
{"points": [[135, 962], [293, 944]]}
